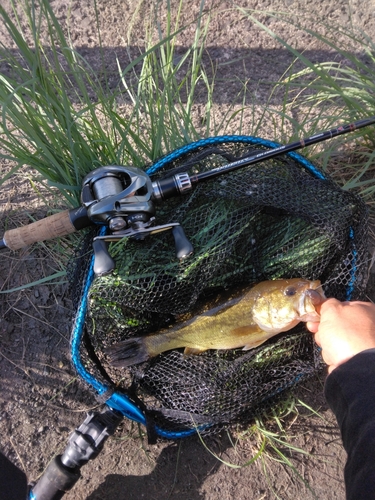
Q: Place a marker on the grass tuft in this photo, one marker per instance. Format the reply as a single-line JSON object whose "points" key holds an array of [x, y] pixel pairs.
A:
{"points": [[59, 117]]}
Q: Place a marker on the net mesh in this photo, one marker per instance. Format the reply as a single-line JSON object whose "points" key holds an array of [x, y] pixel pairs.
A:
{"points": [[275, 219]]}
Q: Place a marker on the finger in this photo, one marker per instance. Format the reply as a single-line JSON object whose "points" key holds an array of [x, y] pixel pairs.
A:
{"points": [[329, 304], [312, 326], [317, 340]]}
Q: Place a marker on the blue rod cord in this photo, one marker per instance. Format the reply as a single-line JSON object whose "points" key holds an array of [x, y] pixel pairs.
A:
{"points": [[119, 401], [353, 269]]}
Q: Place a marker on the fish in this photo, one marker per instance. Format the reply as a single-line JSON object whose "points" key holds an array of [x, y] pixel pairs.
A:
{"points": [[267, 309]]}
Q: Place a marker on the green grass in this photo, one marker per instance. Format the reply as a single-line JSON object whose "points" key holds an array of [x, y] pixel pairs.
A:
{"points": [[271, 439], [59, 116], [338, 91]]}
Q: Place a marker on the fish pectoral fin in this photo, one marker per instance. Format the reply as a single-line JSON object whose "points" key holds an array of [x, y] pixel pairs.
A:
{"points": [[194, 350], [247, 332], [252, 345]]}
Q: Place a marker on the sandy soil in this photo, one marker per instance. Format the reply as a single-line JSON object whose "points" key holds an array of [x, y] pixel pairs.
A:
{"points": [[42, 400]]}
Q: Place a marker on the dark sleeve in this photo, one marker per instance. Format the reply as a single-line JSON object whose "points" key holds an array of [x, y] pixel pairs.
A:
{"points": [[13, 482], [350, 392]]}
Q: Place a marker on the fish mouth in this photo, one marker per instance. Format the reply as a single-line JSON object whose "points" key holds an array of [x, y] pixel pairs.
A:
{"points": [[315, 297], [310, 302]]}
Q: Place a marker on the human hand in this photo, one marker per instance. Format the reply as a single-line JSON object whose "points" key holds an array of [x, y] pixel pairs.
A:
{"points": [[344, 330]]}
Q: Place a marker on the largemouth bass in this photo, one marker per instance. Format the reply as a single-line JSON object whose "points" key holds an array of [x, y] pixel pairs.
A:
{"points": [[269, 308]]}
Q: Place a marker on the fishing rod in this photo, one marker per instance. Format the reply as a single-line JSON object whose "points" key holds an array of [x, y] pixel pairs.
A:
{"points": [[167, 191], [123, 200]]}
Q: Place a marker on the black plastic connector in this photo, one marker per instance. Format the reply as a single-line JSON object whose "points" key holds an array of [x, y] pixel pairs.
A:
{"points": [[56, 480]]}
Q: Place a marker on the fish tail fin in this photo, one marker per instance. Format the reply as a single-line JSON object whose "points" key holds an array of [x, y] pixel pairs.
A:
{"points": [[128, 352]]}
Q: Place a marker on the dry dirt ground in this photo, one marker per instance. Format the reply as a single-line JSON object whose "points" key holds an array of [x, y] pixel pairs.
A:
{"points": [[42, 400]]}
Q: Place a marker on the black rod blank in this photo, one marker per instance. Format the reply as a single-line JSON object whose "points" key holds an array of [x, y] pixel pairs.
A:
{"points": [[287, 148]]}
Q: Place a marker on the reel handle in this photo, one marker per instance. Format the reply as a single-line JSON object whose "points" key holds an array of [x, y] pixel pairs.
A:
{"points": [[183, 246], [60, 224], [103, 262]]}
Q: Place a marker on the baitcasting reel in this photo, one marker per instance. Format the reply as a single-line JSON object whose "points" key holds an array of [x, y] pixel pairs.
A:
{"points": [[122, 199]]}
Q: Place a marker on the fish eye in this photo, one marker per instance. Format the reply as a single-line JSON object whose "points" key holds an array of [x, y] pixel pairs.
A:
{"points": [[290, 291]]}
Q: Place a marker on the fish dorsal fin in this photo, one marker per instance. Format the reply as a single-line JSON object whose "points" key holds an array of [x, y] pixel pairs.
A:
{"points": [[221, 308], [194, 350]]}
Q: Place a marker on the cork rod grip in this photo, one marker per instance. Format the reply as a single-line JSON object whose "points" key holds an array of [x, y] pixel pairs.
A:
{"points": [[51, 227]]}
